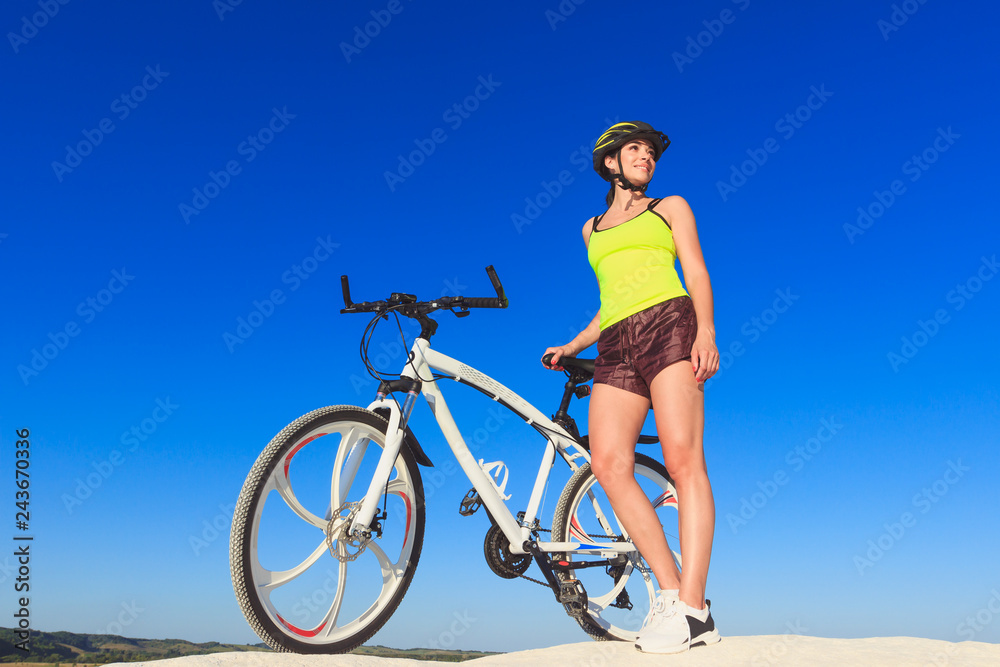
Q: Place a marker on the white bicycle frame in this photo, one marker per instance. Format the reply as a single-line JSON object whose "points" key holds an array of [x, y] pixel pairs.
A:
{"points": [[422, 361]]}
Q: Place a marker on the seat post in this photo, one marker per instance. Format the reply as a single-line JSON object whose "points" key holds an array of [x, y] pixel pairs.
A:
{"points": [[561, 417]]}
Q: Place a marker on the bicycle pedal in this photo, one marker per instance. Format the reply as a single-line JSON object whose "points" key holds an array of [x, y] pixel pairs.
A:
{"points": [[573, 597], [470, 503]]}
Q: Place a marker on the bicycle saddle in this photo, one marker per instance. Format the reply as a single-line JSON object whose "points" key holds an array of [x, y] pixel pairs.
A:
{"points": [[583, 364]]}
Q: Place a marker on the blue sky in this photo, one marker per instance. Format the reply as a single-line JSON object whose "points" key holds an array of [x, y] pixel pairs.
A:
{"points": [[207, 160]]}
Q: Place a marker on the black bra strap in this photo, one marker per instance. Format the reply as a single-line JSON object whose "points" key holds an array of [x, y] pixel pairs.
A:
{"points": [[650, 209], [596, 221]]}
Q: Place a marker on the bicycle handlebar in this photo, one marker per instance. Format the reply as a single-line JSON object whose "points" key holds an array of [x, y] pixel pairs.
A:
{"points": [[397, 299]]}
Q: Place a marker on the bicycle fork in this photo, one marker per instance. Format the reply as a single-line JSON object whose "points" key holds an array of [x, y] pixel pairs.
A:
{"points": [[395, 433]]}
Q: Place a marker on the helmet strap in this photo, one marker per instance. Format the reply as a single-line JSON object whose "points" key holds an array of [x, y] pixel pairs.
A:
{"points": [[624, 182]]}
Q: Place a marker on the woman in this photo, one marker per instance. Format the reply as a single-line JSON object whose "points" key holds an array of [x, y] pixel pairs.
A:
{"points": [[656, 347]]}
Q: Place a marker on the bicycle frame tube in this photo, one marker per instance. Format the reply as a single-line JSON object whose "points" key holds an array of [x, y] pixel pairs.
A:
{"points": [[424, 361]]}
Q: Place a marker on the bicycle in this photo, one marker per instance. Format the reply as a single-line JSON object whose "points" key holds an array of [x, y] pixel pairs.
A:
{"points": [[296, 605]]}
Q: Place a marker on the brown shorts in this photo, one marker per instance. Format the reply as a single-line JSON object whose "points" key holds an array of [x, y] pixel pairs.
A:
{"points": [[632, 351]]}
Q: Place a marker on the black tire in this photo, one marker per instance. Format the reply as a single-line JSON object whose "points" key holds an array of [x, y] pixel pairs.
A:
{"points": [[276, 520], [611, 591]]}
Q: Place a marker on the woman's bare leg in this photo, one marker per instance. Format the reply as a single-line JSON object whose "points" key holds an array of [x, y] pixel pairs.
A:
{"points": [[679, 409], [616, 418]]}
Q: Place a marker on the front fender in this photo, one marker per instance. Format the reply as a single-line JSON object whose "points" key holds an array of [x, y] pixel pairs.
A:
{"points": [[409, 440]]}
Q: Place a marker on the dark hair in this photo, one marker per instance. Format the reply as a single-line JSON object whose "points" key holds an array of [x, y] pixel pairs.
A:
{"points": [[610, 198]]}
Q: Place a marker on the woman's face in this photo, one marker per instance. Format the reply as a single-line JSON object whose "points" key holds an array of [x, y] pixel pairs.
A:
{"points": [[637, 161]]}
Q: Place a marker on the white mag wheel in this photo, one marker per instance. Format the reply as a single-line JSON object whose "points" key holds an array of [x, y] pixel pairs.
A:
{"points": [[301, 586], [618, 596]]}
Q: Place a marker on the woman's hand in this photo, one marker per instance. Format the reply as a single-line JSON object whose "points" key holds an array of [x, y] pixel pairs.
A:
{"points": [[557, 353], [704, 356]]}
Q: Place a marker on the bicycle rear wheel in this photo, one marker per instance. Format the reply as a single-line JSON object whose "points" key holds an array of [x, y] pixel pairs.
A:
{"points": [[288, 556], [619, 595]]}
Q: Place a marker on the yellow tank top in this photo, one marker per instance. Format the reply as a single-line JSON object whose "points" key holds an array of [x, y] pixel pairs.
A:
{"points": [[634, 263]]}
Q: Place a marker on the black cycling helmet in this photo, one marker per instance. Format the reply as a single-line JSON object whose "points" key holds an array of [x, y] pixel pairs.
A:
{"points": [[612, 141]]}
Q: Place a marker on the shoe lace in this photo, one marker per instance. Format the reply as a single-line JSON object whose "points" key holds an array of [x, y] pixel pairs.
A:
{"points": [[661, 608]]}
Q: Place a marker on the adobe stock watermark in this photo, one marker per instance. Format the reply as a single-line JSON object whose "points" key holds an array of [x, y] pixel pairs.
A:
{"points": [[130, 441], [7, 569], [381, 18], [458, 627], [223, 7], [787, 125], [122, 106], [248, 149], [796, 459], [915, 167], [434, 478], [127, 616], [581, 158], [563, 11], [455, 116], [968, 629], [754, 329], [294, 276], [924, 501], [976, 623], [900, 14], [60, 340], [713, 30], [31, 26], [926, 330], [318, 601], [775, 653], [212, 529]]}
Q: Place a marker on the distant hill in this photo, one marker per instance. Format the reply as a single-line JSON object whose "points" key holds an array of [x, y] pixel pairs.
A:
{"points": [[55, 647], [69, 647]]}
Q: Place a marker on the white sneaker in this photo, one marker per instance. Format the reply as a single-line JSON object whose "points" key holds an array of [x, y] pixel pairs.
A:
{"points": [[666, 628], [702, 632]]}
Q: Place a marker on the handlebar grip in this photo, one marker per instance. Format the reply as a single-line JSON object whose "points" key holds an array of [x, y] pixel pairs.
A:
{"points": [[501, 296], [482, 302], [346, 288]]}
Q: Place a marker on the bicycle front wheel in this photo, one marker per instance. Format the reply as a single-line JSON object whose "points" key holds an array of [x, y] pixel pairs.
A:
{"points": [[619, 594], [288, 554]]}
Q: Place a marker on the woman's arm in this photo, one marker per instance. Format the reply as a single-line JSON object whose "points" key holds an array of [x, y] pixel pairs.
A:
{"points": [[583, 340], [704, 354]]}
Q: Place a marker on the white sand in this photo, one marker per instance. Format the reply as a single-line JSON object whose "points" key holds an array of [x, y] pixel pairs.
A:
{"points": [[759, 651]]}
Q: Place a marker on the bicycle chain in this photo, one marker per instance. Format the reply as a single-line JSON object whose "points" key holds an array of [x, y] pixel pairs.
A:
{"points": [[546, 530]]}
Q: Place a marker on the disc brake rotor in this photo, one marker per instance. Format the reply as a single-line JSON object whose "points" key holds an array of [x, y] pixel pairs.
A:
{"points": [[342, 546]]}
